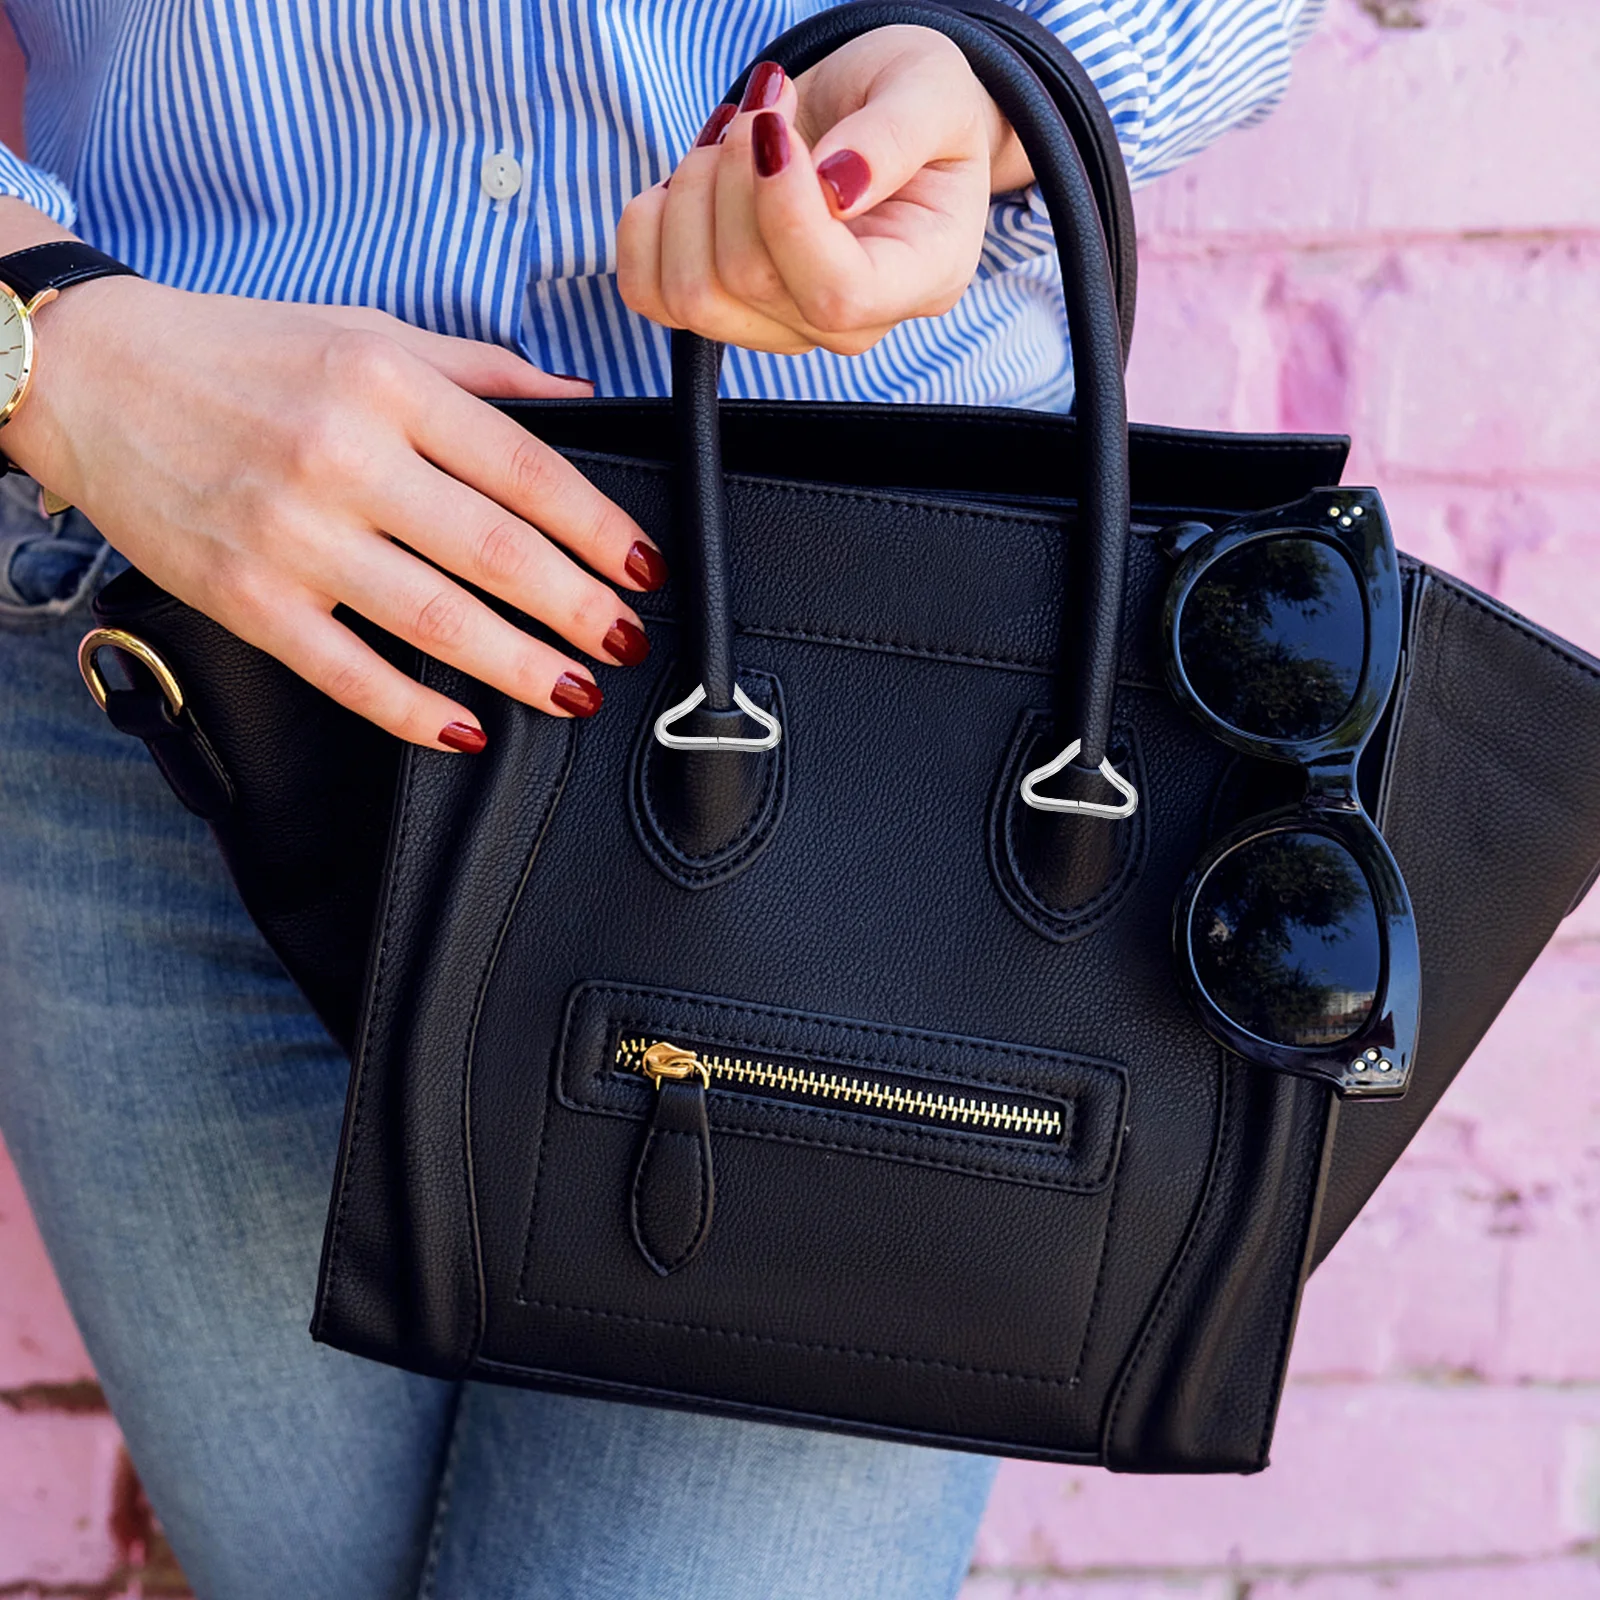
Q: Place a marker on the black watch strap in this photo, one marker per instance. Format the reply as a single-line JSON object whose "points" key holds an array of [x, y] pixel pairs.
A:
{"points": [[56, 266]]}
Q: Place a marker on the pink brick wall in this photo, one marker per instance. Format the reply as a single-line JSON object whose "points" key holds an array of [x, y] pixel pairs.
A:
{"points": [[1404, 252]]}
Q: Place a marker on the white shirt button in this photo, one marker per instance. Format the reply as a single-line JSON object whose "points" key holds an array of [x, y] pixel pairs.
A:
{"points": [[501, 176]]}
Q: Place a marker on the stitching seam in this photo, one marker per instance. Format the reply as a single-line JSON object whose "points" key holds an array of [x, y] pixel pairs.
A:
{"points": [[1050, 924], [1519, 625], [742, 1337], [1286, 1332], [880, 1029], [1186, 1253], [1090, 1185], [646, 1156], [442, 1502], [556, 789], [720, 864], [1101, 1275], [380, 973]]}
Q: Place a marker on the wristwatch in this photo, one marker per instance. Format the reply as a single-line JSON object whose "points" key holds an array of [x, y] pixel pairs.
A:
{"points": [[29, 279]]}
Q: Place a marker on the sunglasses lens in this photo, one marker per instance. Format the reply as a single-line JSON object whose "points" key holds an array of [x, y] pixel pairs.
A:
{"points": [[1273, 636], [1285, 939]]}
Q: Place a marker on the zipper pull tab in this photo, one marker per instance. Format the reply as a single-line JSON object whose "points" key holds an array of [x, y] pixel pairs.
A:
{"points": [[673, 1186]]}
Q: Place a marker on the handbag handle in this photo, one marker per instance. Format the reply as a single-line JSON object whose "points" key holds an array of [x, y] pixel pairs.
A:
{"points": [[1094, 587]]}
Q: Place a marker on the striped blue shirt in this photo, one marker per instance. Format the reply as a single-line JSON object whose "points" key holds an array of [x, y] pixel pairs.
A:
{"points": [[463, 163]]}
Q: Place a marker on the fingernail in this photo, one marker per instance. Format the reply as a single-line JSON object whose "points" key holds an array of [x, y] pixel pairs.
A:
{"points": [[576, 695], [573, 377], [464, 737], [765, 87], [626, 643], [645, 565], [770, 136], [847, 175], [716, 125]]}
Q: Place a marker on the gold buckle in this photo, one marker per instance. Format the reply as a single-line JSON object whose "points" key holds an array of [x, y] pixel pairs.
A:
{"points": [[98, 639]]}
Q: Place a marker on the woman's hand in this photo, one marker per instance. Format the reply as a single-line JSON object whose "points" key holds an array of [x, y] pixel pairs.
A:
{"points": [[829, 208], [266, 463]]}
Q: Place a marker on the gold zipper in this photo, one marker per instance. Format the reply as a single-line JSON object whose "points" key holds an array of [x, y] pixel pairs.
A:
{"points": [[897, 1095]]}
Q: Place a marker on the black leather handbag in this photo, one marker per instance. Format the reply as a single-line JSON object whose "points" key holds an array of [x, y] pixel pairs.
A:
{"points": [[760, 1046]]}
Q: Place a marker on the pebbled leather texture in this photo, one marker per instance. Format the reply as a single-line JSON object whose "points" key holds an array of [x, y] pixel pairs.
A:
{"points": [[1157, 1311], [703, 817], [1489, 804], [839, 1281], [987, 1183], [193, 770], [674, 1186], [315, 784], [1063, 876], [703, 511], [312, 790]]}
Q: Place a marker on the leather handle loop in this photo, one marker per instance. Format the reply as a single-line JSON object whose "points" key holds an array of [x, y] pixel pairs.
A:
{"points": [[1094, 577], [703, 508]]}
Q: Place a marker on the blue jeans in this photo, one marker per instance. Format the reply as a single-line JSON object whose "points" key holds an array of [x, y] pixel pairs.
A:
{"points": [[173, 1108]]}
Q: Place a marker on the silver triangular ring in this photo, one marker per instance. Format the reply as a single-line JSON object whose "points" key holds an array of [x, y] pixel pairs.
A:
{"points": [[767, 740], [1083, 808]]}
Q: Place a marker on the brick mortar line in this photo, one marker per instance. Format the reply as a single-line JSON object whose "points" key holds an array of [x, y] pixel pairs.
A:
{"points": [[1445, 1382], [115, 1587], [1248, 1572], [1396, 474], [81, 1398], [1188, 247]]}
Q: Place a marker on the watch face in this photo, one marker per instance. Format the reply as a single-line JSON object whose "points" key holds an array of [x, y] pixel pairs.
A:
{"points": [[16, 352]]}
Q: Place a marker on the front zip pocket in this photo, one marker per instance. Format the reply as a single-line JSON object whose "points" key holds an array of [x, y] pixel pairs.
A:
{"points": [[925, 1102], [752, 1090], [878, 1189], [674, 1187]]}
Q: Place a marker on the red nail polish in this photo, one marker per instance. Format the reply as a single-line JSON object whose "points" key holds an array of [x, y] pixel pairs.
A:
{"points": [[626, 643], [847, 175], [716, 125], [573, 377], [765, 87], [770, 143], [645, 565], [576, 695], [464, 737]]}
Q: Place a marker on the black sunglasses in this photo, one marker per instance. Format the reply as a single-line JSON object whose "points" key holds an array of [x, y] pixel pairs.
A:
{"points": [[1294, 934]]}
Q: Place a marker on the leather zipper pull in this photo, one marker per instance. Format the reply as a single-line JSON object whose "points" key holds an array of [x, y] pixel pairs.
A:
{"points": [[673, 1184]]}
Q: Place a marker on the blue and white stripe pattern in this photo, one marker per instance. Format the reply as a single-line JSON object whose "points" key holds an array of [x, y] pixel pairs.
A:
{"points": [[344, 151]]}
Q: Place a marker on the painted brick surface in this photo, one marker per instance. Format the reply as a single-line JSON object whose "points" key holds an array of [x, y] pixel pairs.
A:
{"points": [[1388, 257], [57, 1472], [1404, 134], [996, 1586], [38, 1343], [1403, 252], [1535, 1580], [1390, 1472]]}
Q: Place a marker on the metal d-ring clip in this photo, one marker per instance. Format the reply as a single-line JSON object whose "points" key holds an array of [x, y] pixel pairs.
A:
{"points": [[717, 741], [1082, 808], [98, 639]]}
